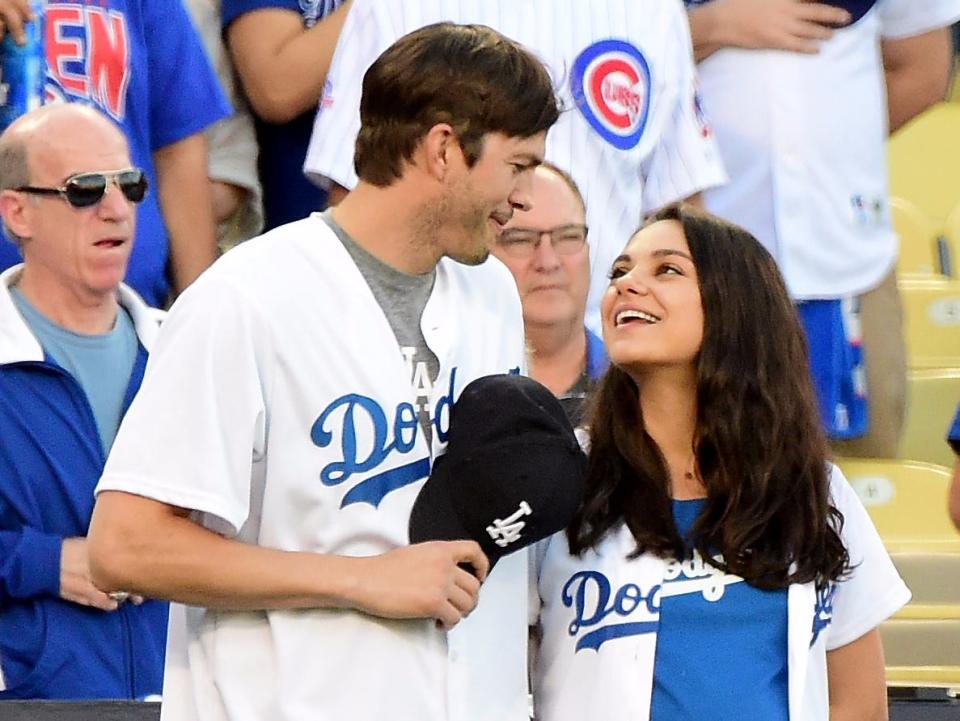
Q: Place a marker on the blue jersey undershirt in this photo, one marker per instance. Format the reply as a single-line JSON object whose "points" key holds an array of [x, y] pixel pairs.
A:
{"points": [[723, 659]]}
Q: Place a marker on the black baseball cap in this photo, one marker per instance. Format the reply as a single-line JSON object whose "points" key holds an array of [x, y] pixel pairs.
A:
{"points": [[513, 472]]}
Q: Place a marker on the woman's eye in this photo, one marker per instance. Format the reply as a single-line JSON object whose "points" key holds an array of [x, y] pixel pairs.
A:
{"points": [[616, 273]]}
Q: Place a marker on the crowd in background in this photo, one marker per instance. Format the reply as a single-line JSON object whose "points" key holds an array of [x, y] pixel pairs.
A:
{"points": [[220, 121]]}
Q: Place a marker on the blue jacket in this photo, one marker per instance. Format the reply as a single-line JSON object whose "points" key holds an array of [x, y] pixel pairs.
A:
{"points": [[50, 461]]}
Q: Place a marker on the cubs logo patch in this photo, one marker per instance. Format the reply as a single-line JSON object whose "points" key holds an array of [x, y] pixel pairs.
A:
{"points": [[610, 82]]}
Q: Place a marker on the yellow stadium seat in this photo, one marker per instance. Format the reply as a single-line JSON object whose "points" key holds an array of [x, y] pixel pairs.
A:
{"points": [[924, 161], [907, 502], [925, 642], [931, 316], [919, 236], [933, 611], [924, 676], [933, 576], [932, 397]]}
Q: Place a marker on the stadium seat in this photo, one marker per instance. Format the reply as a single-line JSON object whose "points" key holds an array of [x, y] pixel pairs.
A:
{"points": [[931, 310], [932, 396], [907, 502], [922, 653], [924, 161], [919, 237], [921, 642]]}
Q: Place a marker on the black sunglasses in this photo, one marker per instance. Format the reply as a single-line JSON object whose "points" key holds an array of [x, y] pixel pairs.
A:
{"points": [[86, 189]]}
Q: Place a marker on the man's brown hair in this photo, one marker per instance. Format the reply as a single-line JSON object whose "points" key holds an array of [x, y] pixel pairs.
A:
{"points": [[468, 76]]}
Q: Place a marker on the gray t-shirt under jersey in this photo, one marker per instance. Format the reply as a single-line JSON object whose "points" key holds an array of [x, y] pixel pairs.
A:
{"points": [[402, 298]]}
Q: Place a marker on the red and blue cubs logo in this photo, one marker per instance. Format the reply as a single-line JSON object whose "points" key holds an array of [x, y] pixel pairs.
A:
{"points": [[610, 81]]}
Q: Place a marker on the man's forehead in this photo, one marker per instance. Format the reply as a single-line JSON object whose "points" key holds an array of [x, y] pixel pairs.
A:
{"points": [[76, 151]]}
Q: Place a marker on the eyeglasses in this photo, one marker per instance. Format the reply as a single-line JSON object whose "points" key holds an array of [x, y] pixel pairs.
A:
{"points": [[86, 189], [523, 242]]}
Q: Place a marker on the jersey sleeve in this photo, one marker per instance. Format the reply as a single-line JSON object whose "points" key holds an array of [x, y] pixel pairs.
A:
{"points": [[329, 156], [873, 590], [904, 18], [198, 424], [687, 159], [185, 95]]}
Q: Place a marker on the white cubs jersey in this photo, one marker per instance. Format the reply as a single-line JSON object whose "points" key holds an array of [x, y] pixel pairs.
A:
{"points": [[632, 133], [278, 406], [803, 138]]}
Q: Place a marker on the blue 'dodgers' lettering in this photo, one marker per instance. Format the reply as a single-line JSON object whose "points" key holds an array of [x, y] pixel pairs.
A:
{"points": [[592, 598], [362, 412], [823, 610]]}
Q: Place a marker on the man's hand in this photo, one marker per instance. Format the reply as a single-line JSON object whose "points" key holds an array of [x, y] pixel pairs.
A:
{"points": [[75, 583], [423, 581], [795, 25], [13, 14]]}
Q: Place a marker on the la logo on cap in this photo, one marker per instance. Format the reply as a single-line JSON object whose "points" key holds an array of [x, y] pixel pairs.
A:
{"points": [[508, 530]]}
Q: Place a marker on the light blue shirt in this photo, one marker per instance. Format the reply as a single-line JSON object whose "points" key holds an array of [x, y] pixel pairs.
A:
{"points": [[101, 364]]}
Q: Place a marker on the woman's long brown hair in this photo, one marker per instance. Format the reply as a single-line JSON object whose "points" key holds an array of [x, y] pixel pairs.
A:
{"points": [[759, 446]]}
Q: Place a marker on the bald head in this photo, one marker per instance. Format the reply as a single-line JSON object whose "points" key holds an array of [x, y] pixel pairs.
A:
{"points": [[50, 132]]}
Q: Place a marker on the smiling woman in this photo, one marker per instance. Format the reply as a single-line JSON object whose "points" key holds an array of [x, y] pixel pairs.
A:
{"points": [[703, 568]]}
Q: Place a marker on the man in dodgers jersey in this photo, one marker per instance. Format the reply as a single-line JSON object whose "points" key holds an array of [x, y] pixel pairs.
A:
{"points": [[295, 403], [631, 135], [803, 135]]}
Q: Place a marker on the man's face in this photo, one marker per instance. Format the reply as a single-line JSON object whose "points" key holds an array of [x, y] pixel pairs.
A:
{"points": [[85, 249], [551, 268], [483, 198]]}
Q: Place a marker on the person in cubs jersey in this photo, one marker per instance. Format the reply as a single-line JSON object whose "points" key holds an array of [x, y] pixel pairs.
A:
{"points": [[295, 405], [631, 135], [802, 96], [720, 568]]}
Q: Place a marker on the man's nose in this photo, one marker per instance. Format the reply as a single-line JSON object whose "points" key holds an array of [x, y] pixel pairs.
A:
{"points": [[521, 197], [544, 253], [114, 203]]}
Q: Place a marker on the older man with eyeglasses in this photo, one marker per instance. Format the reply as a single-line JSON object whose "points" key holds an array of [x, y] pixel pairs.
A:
{"points": [[545, 247], [73, 347]]}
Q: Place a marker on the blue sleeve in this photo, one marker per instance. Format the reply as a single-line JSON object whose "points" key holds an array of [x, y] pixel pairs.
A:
{"points": [[185, 94], [953, 436], [29, 564], [230, 10]]}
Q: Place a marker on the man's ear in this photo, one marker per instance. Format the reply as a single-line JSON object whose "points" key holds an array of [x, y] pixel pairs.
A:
{"points": [[13, 210], [440, 151]]}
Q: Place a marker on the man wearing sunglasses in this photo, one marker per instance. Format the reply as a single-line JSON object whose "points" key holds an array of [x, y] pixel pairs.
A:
{"points": [[545, 247], [73, 346]]}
